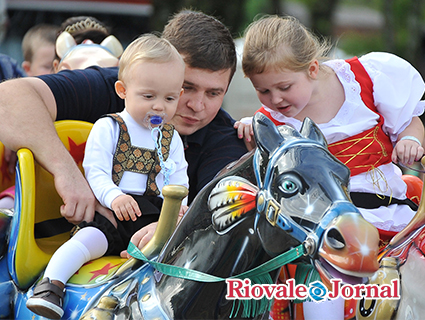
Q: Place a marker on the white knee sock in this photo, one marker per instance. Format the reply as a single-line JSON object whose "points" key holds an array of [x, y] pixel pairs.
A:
{"points": [[87, 244], [326, 310], [7, 203]]}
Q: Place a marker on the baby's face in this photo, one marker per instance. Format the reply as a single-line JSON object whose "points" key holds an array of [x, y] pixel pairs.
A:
{"points": [[152, 88], [42, 61]]}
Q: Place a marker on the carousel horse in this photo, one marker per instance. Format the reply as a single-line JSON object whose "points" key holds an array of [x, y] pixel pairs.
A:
{"points": [[403, 259], [287, 199]]}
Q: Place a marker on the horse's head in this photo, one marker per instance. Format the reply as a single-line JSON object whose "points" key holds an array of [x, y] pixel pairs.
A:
{"points": [[303, 190]]}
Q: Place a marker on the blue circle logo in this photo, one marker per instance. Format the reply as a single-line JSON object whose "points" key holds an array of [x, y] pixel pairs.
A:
{"points": [[317, 291]]}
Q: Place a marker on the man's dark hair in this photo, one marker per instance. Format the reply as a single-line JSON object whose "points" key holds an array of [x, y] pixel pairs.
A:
{"points": [[204, 41]]}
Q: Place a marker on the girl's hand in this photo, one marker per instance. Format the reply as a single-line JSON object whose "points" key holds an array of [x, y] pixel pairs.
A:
{"points": [[407, 151], [126, 208], [141, 238], [182, 211], [244, 128]]}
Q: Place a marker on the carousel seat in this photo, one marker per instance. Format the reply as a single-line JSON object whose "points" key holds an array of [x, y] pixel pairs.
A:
{"points": [[38, 228]]}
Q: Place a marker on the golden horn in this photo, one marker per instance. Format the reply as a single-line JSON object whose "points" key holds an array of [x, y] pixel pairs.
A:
{"points": [[173, 196]]}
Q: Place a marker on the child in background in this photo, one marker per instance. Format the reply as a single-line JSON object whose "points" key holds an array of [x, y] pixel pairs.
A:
{"points": [[85, 27], [38, 48], [123, 164], [41, 58], [367, 108], [9, 69], [82, 28]]}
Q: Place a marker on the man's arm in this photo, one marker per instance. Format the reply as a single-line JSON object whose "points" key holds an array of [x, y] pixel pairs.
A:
{"points": [[28, 109]]}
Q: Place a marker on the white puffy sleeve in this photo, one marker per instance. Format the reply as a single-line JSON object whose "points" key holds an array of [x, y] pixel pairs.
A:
{"points": [[397, 90]]}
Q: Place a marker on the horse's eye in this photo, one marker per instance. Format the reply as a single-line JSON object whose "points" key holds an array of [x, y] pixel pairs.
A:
{"points": [[288, 187]]}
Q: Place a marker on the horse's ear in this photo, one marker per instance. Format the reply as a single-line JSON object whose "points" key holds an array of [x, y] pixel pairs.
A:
{"points": [[266, 134], [310, 130]]}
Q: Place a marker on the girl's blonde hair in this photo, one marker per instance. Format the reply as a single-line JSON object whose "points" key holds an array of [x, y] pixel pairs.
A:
{"points": [[147, 48], [282, 43]]}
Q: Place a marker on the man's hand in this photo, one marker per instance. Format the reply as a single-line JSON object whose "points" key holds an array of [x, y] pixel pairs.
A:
{"points": [[182, 212], [126, 208], [141, 238], [77, 196]]}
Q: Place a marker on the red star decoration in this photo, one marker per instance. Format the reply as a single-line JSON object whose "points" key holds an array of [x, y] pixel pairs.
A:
{"points": [[89, 262], [76, 150], [103, 271]]}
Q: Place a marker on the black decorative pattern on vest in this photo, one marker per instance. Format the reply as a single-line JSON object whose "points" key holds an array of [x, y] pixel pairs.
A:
{"points": [[140, 160]]}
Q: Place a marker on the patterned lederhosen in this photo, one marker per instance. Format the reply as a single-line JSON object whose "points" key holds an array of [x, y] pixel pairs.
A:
{"points": [[135, 159]]}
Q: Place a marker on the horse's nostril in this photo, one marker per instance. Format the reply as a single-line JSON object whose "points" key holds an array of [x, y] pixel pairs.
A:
{"points": [[335, 239]]}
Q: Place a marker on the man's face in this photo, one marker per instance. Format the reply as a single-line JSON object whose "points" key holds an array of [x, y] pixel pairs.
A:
{"points": [[202, 98]]}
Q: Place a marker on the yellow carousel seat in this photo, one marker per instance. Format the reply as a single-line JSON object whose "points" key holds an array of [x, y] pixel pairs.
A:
{"points": [[38, 227]]}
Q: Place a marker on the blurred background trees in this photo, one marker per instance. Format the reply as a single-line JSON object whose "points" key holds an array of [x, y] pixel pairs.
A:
{"points": [[354, 26], [396, 26], [401, 30]]}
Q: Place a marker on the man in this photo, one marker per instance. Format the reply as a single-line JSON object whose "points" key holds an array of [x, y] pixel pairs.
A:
{"points": [[29, 106]]}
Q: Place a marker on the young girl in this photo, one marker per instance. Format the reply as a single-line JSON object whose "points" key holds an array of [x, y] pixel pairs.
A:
{"points": [[367, 109], [124, 166], [363, 106]]}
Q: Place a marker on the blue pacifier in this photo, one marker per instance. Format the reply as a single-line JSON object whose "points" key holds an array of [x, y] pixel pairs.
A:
{"points": [[156, 120], [153, 120]]}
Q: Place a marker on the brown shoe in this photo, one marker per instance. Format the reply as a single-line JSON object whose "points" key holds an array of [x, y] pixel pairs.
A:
{"points": [[47, 300]]}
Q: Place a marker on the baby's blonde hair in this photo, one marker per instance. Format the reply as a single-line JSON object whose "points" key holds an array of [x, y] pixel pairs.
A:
{"points": [[282, 43], [147, 48]]}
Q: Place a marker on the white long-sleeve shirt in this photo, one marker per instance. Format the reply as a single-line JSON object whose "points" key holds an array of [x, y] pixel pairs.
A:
{"points": [[100, 150]]}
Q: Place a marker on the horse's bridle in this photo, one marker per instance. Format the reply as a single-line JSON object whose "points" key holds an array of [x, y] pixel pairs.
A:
{"points": [[268, 206]]}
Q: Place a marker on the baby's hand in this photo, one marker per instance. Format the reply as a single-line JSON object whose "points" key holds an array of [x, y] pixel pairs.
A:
{"points": [[407, 151], [244, 128], [126, 208]]}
